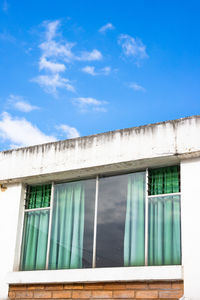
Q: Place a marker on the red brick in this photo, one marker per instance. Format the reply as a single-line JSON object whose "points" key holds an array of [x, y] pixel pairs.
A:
{"points": [[93, 286], [35, 287], [11, 295], [17, 287], [160, 285], [171, 294], [123, 294], [62, 294], [81, 294], [54, 287], [137, 285], [177, 285], [24, 294], [115, 286], [73, 286], [102, 294], [42, 294], [147, 294]]}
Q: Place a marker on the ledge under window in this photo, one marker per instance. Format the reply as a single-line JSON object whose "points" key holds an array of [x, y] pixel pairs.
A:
{"points": [[97, 275]]}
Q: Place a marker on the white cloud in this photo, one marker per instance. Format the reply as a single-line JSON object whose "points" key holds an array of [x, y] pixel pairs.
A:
{"points": [[106, 70], [137, 87], [132, 47], [106, 27], [85, 103], [51, 48], [20, 132], [51, 66], [51, 83], [90, 70], [70, 132], [20, 104], [51, 29], [90, 56]]}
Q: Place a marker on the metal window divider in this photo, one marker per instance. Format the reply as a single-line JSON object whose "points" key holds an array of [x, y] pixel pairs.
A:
{"points": [[146, 218], [50, 223], [95, 223]]}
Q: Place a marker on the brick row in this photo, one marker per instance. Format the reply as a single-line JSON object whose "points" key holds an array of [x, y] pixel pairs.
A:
{"points": [[131, 290]]}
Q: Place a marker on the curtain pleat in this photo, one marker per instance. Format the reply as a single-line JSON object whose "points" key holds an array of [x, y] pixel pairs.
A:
{"points": [[35, 240], [39, 196], [66, 249], [134, 238], [164, 242]]}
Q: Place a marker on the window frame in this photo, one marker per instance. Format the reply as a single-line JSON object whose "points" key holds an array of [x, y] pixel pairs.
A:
{"points": [[96, 178]]}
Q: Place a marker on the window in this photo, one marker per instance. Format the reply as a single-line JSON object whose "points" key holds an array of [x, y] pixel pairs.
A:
{"points": [[123, 220]]}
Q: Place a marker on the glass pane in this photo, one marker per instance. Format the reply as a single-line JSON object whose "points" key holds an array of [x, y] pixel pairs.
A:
{"points": [[164, 246], [120, 221], [164, 180], [38, 196], [72, 225], [34, 244]]}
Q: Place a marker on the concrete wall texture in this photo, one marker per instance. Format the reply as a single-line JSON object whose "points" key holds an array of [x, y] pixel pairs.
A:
{"points": [[161, 144]]}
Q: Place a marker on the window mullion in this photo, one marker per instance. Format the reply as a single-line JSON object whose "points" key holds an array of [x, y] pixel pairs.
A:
{"points": [[146, 218], [50, 222], [95, 223]]}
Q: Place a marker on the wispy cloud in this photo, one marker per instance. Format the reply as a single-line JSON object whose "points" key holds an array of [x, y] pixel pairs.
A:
{"points": [[106, 27], [87, 103], [137, 87], [51, 66], [55, 46], [20, 132], [56, 52], [19, 103], [90, 56], [51, 83], [106, 70], [7, 37], [68, 131], [5, 6], [91, 70], [132, 47]]}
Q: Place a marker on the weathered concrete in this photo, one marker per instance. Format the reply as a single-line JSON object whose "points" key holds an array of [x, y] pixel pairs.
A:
{"points": [[132, 148]]}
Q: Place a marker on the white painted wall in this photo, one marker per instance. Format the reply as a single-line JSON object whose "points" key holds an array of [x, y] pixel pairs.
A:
{"points": [[9, 213], [190, 188]]}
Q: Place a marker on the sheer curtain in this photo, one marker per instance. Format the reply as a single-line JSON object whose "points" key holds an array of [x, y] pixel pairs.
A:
{"points": [[164, 218], [34, 244], [134, 236], [66, 248]]}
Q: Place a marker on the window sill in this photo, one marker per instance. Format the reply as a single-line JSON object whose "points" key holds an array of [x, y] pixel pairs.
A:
{"points": [[97, 275]]}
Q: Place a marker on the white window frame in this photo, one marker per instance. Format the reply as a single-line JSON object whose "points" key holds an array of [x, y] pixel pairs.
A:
{"points": [[172, 272]]}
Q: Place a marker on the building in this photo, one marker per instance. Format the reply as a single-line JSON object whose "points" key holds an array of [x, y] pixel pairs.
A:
{"points": [[112, 215]]}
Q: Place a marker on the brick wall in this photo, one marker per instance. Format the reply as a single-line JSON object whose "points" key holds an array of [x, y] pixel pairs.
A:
{"points": [[125, 290]]}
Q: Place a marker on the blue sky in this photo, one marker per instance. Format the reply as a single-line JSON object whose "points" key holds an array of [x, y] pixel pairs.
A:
{"points": [[75, 68]]}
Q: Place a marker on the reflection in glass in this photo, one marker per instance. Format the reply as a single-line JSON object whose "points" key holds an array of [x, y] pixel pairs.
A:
{"points": [[34, 244], [164, 231], [120, 221], [72, 225]]}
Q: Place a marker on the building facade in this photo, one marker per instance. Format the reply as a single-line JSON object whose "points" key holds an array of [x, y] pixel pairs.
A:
{"points": [[113, 215]]}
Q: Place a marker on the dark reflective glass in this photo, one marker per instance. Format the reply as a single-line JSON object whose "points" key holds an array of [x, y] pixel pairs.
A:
{"points": [[111, 221]]}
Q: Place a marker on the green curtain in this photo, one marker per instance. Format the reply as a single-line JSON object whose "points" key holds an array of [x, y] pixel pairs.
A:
{"points": [[66, 249], [38, 196], [164, 180], [164, 236], [134, 236], [34, 244]]}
